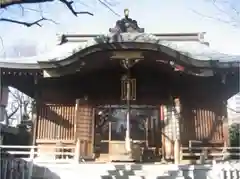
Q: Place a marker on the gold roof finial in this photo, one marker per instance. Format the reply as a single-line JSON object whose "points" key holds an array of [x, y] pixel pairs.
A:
{"points": [[126, 12]]}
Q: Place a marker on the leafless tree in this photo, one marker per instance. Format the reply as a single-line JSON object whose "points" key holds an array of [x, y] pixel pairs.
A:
{"points": [[227, 11], [4, 4], [20, 105]]}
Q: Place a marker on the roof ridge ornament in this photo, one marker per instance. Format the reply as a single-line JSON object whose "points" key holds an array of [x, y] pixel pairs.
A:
{"points": [[126, 13], [126, 25]]}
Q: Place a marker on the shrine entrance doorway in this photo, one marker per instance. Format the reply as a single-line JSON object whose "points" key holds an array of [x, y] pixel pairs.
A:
{"points": [[110, 120]]}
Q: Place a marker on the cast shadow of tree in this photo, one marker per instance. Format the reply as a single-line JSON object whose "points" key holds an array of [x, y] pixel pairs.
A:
{"points": [[183, 171], [52, 113]]}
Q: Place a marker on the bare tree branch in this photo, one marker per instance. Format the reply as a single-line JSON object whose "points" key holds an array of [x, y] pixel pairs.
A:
{"points": [[7, 3], [4, 4], [229, 13], [27, 24], [107, 5], [21, 103], [13, 112], [69, 5]]}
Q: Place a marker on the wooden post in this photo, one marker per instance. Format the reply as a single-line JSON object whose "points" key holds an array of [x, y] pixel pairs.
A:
{"points": [[31, 164], [76, 139], [77, 151], [203, 156], [93, 133], [226, 131], [162, 132], [109, 140], [76, 119], [146, 133], [176, 151], [1, 139], [177, 115], [1, 97], [35, 111], [110, 131]]}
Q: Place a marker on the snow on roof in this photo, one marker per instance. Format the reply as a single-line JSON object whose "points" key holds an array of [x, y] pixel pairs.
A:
{"points": [[200, 51], [193, 50], [58, 53]]}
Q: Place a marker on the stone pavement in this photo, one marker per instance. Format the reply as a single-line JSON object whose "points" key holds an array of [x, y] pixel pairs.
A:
{"points": [[137, 171]]}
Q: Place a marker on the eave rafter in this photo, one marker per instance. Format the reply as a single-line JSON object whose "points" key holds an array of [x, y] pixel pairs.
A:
{"points": [[21, 72]]}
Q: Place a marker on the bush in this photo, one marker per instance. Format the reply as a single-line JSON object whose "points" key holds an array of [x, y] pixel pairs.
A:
{"points": [[234, 133]]}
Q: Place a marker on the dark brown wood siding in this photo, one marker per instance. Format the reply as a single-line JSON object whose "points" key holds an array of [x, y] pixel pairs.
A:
{"points": [[56, 122], [85, 128], [202, 122]]}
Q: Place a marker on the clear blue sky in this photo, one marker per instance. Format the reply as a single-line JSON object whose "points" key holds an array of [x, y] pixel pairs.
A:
{"points": [[153, 15]]}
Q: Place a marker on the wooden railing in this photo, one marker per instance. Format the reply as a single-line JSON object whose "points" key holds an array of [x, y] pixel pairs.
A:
{"points": [[55, 153], [18, 161], [209, 153]]}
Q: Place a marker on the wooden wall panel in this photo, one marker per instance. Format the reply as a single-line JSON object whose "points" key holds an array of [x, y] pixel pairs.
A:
{"points": [[199, 121], [202, 124], [168, 133], [85, 128], [208, 125], [56, 122]]}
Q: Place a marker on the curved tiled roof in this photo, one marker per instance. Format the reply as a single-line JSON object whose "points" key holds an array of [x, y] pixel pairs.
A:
{"points": [[190, 50]]}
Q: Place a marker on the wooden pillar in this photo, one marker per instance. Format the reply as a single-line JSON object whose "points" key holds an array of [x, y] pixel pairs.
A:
{"points": [[84, 127], [226, 132], [1, 97], [177, 116], [225, 125], [177, 151], [77, 151], [35, 110], [75, 119], [1, 139], [167, 134], [4, 91], [162, 127], [177, 142]]}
